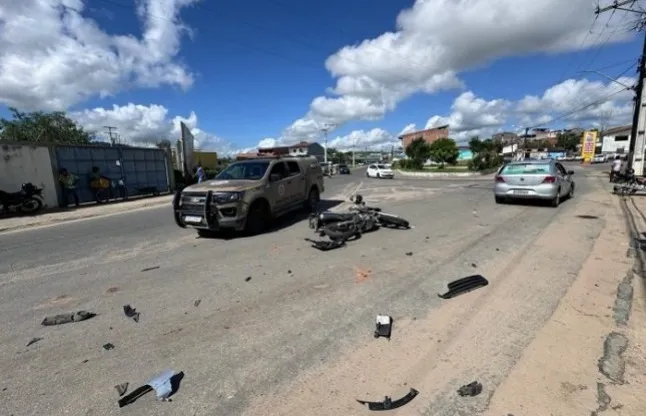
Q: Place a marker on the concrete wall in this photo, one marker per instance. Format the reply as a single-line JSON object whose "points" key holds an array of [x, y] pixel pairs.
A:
{"points": [[20, 163], [610, 144]]}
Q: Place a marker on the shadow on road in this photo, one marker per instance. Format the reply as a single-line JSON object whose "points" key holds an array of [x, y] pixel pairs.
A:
{"points": [[279, 224]]}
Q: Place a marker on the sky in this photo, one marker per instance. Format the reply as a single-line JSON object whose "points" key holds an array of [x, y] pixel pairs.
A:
{"points": [[268, 72]]}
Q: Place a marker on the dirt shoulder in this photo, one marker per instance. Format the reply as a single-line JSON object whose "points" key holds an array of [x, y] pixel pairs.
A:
{"points": [[577, 365], [84, 212]]}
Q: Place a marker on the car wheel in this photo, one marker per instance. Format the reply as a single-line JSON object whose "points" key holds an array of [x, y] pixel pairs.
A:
{"points": [[557, 199], [257, 219], [500, 200], [313, 200], [378, 176], [367, 175]]}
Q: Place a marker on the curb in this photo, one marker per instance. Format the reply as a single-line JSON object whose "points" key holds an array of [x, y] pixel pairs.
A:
{"points": [[447, 175], [155, 202]]}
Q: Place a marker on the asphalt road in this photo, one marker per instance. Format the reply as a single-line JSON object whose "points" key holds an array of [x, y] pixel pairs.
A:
{"points": [[271, 308]]}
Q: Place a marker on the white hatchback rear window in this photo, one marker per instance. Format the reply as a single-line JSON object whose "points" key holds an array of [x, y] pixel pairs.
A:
{"points": [[525, 169]]}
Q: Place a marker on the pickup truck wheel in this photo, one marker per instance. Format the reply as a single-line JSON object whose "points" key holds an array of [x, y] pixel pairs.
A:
{"points": [[313, 200], [257, 219]]}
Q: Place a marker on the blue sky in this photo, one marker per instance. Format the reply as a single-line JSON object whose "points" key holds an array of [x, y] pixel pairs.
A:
{"points": [[257, 66]]}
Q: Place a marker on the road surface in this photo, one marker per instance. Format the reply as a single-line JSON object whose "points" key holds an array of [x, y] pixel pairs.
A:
{"points": [[282, 329]]}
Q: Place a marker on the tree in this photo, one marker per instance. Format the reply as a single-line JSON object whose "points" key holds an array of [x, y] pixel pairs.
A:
{"points": [[54, 127], [568, 141], [164, 144], [486, 154], [444, 151], [418, 152]]}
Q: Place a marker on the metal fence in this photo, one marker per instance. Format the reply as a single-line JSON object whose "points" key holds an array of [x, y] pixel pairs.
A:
{"points": [[141, 169]]}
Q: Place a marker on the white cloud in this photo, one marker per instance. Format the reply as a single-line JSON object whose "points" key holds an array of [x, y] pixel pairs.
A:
{"points": [[437, 39], [471, 115], [145, 125], [52, 57], [375, 139]]}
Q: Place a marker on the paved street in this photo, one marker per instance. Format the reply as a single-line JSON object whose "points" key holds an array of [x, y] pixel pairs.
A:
{"points": [[283, 329]]}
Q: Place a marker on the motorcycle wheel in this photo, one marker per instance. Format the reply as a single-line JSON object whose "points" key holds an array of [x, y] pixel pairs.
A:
{"points": [[393, 221], [102, 195], [338, 231], [30, 206]]}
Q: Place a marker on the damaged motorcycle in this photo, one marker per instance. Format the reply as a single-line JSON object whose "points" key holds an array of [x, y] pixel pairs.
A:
{"points": [[361, 219], [28, 200]]}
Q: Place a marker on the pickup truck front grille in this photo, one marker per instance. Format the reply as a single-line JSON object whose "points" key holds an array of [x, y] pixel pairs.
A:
{"points": [[193, 201]]}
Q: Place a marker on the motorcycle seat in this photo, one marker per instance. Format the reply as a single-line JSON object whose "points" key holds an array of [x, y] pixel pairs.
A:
{"points": [[336, 216]]}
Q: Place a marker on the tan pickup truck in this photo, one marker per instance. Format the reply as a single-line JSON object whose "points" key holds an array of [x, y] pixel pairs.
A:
{"points": [[248, 194]]}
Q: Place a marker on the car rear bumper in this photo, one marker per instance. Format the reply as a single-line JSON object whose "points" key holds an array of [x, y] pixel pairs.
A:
{"points": [[209, 216], [543, 191], [386, 175]]}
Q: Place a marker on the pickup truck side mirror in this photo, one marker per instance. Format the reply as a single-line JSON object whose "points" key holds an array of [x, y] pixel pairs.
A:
{"points": [[275, 177]]}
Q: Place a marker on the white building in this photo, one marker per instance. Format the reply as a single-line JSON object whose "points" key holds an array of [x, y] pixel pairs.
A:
{"points": [[616, 140]]}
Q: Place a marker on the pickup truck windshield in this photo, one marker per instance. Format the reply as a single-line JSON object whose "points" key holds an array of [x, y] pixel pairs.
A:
{"points": [[244, 170]]}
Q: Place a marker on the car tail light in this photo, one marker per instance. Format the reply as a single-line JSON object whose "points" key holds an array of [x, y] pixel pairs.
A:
{"points": [[549, 179], [500, 179]]}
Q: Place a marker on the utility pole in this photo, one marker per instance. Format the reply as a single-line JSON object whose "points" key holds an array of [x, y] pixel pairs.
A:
{"points": [[110, 128], [325, 129], [354, 146], [636, 148]]}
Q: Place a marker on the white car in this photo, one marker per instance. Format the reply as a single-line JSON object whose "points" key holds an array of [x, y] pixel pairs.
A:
{"points": [[379, 171]]}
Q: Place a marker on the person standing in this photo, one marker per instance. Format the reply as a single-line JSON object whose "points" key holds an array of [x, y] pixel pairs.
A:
{"points": [[68, 185], [616, 169], [201, 175]]}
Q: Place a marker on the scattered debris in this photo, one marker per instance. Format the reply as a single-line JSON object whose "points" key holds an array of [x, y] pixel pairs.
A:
{"points": [[326, 245], [472, 389], [131, 312], [85, 361], [289, 272], [247, 279], [121, 388], [33, 341], [588, 217], [197, 302], [474, 265], [464, 285], [147, 269], [67, 318], [389, 404], [384, 326], [361, 275], [112, 290], [108, 346], [497, 249], [410, 253], [165, 385]]}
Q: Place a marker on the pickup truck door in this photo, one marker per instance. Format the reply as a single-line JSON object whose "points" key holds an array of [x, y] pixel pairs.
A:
{"points": [[278, 186], [296, 183]]}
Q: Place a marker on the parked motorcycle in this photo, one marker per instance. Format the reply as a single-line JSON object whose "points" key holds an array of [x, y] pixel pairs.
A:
{"points": [[28, 200]]}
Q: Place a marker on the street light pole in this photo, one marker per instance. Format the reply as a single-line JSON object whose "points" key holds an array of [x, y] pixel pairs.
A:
{"points": [[325, 131]]}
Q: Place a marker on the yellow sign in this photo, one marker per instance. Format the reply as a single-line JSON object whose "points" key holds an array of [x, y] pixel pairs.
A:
{"points": [[588, 145]]}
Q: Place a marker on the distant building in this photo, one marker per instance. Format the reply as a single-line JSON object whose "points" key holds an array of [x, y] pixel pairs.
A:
{"points": [[428, 135], [616, 139], [298, 149], [505, 137]]}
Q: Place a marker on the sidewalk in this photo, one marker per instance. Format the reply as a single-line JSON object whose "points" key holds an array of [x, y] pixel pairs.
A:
{"points": [[83, 212], [589, 357]]}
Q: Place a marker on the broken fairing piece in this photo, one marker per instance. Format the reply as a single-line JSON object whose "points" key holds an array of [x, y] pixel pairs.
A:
{"points": [[121, 388], [389, 404], [326, 245], [165, 384], [472, 389], [131, 312], [33, 341], [464, 285], [67, 318], [384, 326]]}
